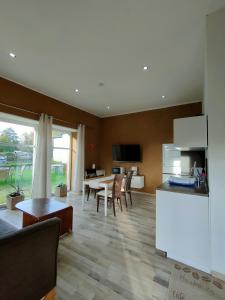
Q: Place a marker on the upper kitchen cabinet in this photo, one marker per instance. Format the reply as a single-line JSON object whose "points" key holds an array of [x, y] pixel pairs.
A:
{"points": [[191, 132]]}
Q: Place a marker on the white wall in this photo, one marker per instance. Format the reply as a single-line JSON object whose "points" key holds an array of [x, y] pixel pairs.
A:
{"points": [[215, 107]]}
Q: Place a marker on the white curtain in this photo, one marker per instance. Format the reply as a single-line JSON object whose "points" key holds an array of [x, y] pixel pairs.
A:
{"points": [[43, 158], [79, 162]]}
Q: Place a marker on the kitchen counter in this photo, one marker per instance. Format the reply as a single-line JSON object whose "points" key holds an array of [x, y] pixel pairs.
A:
{"points": [[198, 191], [182, 224]]}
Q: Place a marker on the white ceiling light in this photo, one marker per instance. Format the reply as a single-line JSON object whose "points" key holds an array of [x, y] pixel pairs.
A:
{"points": [[146, 68], [163, 97], [76, 91], [108, 107], [11, 54]]}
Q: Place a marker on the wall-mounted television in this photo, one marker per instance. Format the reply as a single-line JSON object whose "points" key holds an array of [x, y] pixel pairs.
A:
{"points": [[126, 153]]}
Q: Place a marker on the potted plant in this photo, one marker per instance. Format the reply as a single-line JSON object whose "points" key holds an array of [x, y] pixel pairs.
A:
{"points": [[61, 190], [15, 197]]}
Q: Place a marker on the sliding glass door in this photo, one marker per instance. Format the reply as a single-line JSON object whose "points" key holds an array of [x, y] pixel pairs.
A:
{"points": [[17, 148], [61, 159], [16, 158]]}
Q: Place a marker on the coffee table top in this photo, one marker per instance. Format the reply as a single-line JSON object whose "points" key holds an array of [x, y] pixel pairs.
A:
{"points": [[41, 207]]}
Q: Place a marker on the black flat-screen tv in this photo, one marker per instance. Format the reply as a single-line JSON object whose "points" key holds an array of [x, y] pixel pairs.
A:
{"points": [[126, 153]]}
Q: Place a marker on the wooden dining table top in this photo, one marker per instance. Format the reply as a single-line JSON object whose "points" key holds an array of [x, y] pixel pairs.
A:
{"points": [[94, 178]]}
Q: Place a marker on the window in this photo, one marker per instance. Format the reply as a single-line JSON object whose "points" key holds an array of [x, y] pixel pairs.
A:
{"points": [[16, 158], [61, 159], [17, 147]]}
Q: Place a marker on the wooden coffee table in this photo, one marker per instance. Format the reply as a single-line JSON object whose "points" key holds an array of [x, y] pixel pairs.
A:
{"points": [[40, 209]]}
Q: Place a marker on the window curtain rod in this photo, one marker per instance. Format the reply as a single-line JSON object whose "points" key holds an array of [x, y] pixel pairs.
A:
{"points": [[38, 114]]}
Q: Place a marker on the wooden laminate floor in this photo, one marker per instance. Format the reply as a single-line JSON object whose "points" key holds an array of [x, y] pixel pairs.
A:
{"points": [[112, 257]]}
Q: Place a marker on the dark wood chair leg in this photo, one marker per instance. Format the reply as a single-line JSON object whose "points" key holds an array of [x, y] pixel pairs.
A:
{"points": [[130, 198], [114, 210], [125, 198], [109, 203], [98, 203], [121, 207], [88, 193]]}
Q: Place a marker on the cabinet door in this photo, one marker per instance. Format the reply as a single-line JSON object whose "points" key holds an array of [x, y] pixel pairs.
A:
{"points": [[137, 182], [190, 132], [182, 228]]}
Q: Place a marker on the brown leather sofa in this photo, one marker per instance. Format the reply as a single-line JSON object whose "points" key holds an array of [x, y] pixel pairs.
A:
{"points": [[28, 260]]}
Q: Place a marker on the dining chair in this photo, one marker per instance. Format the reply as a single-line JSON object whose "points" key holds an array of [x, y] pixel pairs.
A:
{"points": [[114, 194], [126, 189], [95, 190], [92, 173]]}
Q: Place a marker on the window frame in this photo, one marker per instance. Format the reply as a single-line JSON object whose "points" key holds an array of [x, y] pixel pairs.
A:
{"points": [[16, 120], [11, 118], [67, 131]]}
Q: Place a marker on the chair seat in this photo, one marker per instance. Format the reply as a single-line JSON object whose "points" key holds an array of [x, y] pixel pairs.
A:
{"points": [[102, 193]]}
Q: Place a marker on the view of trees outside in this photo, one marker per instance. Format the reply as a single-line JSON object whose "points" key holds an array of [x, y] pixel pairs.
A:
{"points": [[16, 158]]}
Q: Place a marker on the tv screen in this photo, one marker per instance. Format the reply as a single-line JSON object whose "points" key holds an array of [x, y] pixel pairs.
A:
{"points": [[130, 153]]}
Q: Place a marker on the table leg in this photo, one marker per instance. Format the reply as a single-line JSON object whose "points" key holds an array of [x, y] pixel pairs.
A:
{"points": [[83, 194], [106, 199]]}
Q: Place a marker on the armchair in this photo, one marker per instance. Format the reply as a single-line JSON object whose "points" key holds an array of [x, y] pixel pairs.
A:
{"points": [[28, 261]]}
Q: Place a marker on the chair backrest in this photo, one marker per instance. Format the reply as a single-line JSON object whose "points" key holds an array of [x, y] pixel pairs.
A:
{"points": [[28, 261], [117, 184], [127, 185]]}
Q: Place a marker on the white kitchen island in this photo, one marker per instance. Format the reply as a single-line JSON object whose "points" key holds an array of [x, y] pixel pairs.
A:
{"points": [[182, 225]]}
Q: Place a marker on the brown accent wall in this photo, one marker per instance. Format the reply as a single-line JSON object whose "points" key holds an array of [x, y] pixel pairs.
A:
{"points": [[150, 129], [18, 96]]}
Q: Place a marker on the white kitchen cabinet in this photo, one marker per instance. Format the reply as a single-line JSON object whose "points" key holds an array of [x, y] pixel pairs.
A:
{"points": [[182, 228], [190, 132], [137, 182]]}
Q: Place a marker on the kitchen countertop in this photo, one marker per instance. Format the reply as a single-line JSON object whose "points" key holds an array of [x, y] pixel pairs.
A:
{"points": [[198, 191]]}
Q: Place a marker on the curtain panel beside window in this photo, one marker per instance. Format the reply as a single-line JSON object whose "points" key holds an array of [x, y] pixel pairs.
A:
{"points": [[80, 154], [43, 158]]}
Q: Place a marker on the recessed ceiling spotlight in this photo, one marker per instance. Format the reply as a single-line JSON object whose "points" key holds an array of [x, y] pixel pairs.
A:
{"points": [[163, 97], [11, 54], [76, 91], [108, 107], [146, 68]]}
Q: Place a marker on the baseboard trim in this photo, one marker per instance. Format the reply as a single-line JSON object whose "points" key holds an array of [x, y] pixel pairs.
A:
{"points": [[218, 275], [143, 193]]}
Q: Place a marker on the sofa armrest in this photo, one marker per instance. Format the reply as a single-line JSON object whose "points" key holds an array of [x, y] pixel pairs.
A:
{"points": [[28, 261]]}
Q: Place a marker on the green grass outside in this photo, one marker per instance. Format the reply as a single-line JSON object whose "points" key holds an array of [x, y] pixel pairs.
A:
{"points": [[26, 184]]}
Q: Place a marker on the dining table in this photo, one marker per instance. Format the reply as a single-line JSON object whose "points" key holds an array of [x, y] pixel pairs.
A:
{"points": [[105, 182]]}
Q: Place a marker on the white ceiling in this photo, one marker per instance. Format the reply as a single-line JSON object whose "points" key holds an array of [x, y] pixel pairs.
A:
{"points": [[64, 45]]}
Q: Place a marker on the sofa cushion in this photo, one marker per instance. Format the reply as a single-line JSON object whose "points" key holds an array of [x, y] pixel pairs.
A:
{"points": [[6, 228]]}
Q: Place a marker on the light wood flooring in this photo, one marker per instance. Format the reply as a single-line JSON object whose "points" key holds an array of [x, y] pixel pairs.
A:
{"points": [[112, 257]]}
